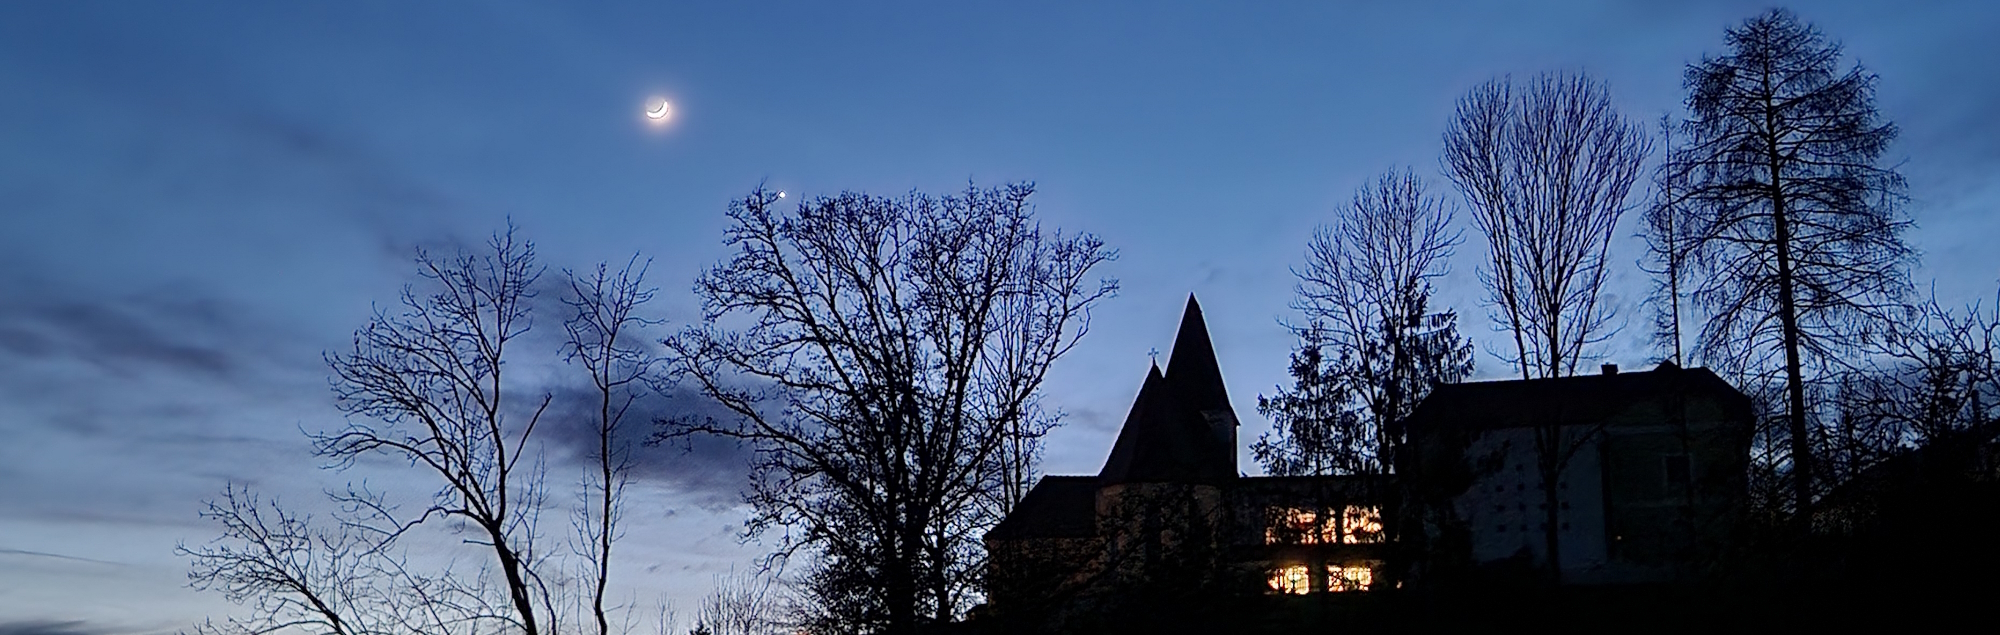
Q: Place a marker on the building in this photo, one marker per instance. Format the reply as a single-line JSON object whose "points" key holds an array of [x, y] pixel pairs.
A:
{"points": [[1648, 471], [1651, 466], [1171, 515]]}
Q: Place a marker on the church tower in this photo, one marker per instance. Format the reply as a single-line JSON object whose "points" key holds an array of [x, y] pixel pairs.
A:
{"points": [[1181, 428]]}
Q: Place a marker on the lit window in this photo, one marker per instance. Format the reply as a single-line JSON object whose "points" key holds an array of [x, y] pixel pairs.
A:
{"points": [[1341, 578], [1362, 524], [1294, 579], [1298, 526]]}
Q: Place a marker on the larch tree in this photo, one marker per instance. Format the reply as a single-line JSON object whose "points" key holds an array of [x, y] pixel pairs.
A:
{"points": [[1799, 227], [1666, 230]]}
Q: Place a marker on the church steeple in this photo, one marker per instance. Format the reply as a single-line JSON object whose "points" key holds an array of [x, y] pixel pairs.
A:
{"points": [[1192, 367], [1180, 428]]}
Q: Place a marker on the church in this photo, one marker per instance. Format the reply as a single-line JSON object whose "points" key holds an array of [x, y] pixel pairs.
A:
{"points": [[1652, 466]]}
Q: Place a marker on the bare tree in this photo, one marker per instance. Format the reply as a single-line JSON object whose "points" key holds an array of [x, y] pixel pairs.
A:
{"points": [[1371, 349], [291, 573], [1800, 247], [338, 578], [739, 604], [886, 371], [1935, 376], [426, 386], [1668, 239], [602, 340], [1547, 172]]}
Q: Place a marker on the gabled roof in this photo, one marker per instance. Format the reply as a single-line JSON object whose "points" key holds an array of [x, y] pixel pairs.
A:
{"points": [[1057, 507], [1577, 400], [1181, 428]]}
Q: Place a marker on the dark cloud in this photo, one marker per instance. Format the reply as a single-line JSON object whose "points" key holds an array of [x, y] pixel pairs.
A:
{"points": [[710, 472], [116, 336], [183, 332], [46, 627]]}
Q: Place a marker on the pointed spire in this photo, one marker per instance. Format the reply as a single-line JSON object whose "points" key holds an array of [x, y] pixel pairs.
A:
{"points": [[1192, 367], [1181, 428], [1131, 455]]}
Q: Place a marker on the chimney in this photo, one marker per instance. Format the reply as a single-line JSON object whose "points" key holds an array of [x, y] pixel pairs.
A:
{"points": [[1610, 369]]}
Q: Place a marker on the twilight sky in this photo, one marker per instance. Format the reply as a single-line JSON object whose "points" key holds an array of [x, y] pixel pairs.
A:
{"points": [[200, 198]]}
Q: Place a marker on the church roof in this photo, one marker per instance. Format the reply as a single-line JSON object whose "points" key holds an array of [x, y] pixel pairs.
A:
{"points": [[1180, 428], [1058, 507]]}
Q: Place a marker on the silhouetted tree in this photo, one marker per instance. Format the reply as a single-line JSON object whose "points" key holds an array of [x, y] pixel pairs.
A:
{"points": [[1547, 171], [1668, 249], [326, 578], [602, 339], [292, 574], [1315, 427], [884, 357], [739, 604], [1798, 229], [1934, 376], [1371, 349], [425, 385]]}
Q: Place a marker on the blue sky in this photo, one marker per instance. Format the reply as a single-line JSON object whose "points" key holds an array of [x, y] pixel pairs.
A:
{"points": [[201, 197]]}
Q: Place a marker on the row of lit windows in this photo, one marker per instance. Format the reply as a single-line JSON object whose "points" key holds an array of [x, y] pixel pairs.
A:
{"points": [[1307, 526], [1297, 579]]}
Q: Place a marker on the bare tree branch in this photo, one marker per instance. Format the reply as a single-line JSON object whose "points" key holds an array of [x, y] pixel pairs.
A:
{"points": [[886, 369], [1547, 170], [425, 385], [602, 339], [1798, 234]]}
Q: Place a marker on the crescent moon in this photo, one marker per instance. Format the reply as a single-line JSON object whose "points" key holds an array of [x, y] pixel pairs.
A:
{"points": [[661, 112]]}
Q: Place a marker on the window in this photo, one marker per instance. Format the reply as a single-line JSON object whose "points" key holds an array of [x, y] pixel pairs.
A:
{"points": [[1350, 577], [1352, 524], [1298, 526], [1293, 579], [1361, 524], [1677, 470]]}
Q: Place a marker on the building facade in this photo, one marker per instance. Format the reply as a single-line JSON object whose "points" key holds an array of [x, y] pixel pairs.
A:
{"points": [[1171, 515], [1647, 468], [1627, 477]]}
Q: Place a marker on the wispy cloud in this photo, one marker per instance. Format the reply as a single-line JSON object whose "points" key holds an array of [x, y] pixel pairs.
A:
{"points": [[56, 556], [42, 627]]}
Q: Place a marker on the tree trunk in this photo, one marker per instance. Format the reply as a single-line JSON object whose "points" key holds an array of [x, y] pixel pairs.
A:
{"points": [[517, 586], [1788, 320], [604, 511]]}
